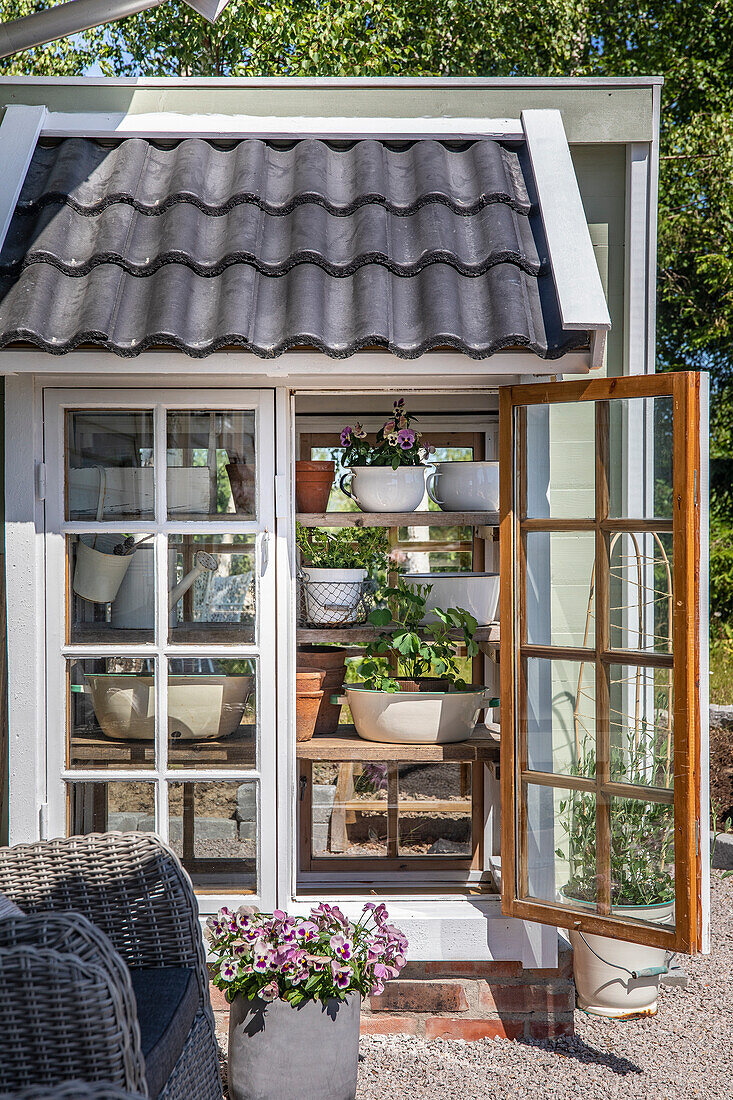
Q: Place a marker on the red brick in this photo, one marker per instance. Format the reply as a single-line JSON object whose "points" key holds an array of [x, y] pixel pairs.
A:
{"points": [[443, 1027], [551, 1029], [493, 997], [496, 969], [218, 1000], [388, 1025], [411, 996]]}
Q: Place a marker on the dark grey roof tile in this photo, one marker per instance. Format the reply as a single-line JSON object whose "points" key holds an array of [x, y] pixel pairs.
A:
{"points": [[75, 242]]}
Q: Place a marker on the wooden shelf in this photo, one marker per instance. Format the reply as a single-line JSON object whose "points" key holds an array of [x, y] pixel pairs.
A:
{"points": [[347, 745], [360, 635], [398, 519]]}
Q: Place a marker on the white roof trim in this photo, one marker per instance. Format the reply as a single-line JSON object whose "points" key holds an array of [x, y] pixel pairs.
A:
{"points": [[167, 124], [580, 295], [340, 81], [19, 132]]}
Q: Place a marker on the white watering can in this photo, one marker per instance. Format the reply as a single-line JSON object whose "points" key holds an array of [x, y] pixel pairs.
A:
{"points": [[135, 602]]}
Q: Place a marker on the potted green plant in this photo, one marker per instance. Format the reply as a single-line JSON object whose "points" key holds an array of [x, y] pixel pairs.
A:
{"points": [[295, 985], [387, 475], [642, 879], [414, 689], [334, 566]]}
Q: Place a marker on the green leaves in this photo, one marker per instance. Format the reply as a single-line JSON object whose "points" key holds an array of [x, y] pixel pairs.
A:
{"points": [[342, 547]]}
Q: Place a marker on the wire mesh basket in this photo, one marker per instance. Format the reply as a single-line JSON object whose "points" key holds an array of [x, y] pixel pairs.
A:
{"points": [[334, 603]]}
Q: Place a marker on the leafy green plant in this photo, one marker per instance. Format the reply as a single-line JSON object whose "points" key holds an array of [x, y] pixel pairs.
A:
{"points": [[416, 650], [343, 547], [642, 833], [396, 443]]}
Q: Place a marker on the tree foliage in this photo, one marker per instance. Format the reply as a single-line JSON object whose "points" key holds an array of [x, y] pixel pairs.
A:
{"points": [[67, 57]]}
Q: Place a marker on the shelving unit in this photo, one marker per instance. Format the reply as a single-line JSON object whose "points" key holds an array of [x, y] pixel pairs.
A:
{"points": [[398, 519], [348, 746]]}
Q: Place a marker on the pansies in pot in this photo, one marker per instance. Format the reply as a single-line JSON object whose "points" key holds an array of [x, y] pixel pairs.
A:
{"points": [[414, 688], [334, 570], [388, 474], [295, 959]]}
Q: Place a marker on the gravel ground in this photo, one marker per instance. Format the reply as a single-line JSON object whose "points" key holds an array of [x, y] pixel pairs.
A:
{"points": [[685, 1052]]}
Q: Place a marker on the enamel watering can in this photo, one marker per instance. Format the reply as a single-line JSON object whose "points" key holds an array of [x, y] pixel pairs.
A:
{"points": [[135, 603]]}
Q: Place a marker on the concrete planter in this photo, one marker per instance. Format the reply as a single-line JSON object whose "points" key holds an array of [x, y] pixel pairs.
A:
{"points": [[277, 1052]]}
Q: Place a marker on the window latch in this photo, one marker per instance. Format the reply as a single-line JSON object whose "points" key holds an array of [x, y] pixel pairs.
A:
{"points": [[265, 552]]}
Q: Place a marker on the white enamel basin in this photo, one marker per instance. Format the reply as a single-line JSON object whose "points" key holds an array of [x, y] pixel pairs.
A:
{"points": [[415, 718], [200, 707]]}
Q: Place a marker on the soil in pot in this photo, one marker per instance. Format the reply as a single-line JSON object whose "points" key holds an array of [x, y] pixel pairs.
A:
{"points": [[313, 482], [277, 1052], [308, 698], [423, 683], [332, 659]]}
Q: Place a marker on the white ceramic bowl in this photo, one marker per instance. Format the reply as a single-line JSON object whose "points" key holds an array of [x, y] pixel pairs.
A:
{"points": [[382, 489], [200, 708], [477, 593], [415, 718], [465, 486]]}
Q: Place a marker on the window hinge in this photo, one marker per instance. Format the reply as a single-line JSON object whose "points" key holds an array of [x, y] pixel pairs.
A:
{"points": [[43, 820], [282, 502], [41, 480]]}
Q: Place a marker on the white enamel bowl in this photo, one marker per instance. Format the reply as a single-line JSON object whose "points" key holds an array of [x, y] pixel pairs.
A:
{"points": [[477, 593], [415, 718], [382, 489], [465, 486]]}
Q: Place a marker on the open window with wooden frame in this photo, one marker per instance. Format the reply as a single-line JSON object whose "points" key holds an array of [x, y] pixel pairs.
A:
{"points": [[604, 792]]}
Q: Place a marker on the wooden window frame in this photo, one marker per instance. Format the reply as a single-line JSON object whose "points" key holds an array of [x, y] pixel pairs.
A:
{"points": [[687, 935]]}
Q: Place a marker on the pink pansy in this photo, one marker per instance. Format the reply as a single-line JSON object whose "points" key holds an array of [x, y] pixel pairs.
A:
{"points": [[270, 992], [229, 970], [341, 947], [359, 432], [306, 931], [403, 422], [376, 989], [384, 973], [346, 435], [389, 426], [341, 975], [317, 963]]}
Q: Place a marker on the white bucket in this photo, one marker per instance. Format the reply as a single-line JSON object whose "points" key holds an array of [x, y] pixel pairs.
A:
{"points": [[477, 593], [134, 607], [98, 575]]}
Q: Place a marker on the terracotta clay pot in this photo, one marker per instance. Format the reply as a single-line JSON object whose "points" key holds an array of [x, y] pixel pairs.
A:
{"points": [[313, 482], [308, 699], [332, 659]]}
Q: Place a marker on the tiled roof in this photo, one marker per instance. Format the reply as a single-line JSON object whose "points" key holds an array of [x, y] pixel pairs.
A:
{"points": [[270, 246]]}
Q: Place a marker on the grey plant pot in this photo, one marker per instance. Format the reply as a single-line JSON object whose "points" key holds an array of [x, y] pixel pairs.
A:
{"points": [[277, 1052]]}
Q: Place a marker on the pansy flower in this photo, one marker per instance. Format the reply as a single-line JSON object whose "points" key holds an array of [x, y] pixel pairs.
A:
{"points": [[341, 975], [346, 435], [342, 947], [359, 432], [406, 438], [229, 970], [270, 992], [306, 931]]}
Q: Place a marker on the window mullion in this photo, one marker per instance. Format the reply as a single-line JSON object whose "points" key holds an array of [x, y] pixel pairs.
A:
{"points": [[602, 643]]}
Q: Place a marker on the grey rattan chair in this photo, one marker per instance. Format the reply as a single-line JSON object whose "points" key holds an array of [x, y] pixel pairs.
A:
{"points": [[73, 1090], [67, 1007]]}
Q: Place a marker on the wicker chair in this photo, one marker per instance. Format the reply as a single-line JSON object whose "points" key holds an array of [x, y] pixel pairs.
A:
{"points": [[101, 912], [73, 1090]]}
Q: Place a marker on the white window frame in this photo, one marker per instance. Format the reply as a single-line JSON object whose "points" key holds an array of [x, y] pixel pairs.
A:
{"points": [[262, 403]]}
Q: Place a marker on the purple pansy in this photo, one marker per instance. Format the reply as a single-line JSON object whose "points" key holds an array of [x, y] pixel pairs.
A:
{"points": [[342, 947], [346, 435], [406, 438], [270, 992], [341, 975], [229, 970], [306, 931]]}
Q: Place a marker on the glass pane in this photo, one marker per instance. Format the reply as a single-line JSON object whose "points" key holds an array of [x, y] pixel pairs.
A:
{"points": [[561, 716], [211, 464], [561, 845], [560, 602], [109, 465], [98, 807], [212, 588], [435, 810], [640, 457], [212, 712], [642, 745], [112, 588], [111, 712], [642, 860], [557, 460], [349, 809], [214, 828], [641, 570]]}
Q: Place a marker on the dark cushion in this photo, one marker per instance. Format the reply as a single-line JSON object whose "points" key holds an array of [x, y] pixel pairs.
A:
{"points": [[167, 1001], [8, 908]]}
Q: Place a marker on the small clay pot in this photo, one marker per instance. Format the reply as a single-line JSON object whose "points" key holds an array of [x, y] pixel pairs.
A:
{"points": [[423, 683], [332, 659], [308, 699], [313, 483]]}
